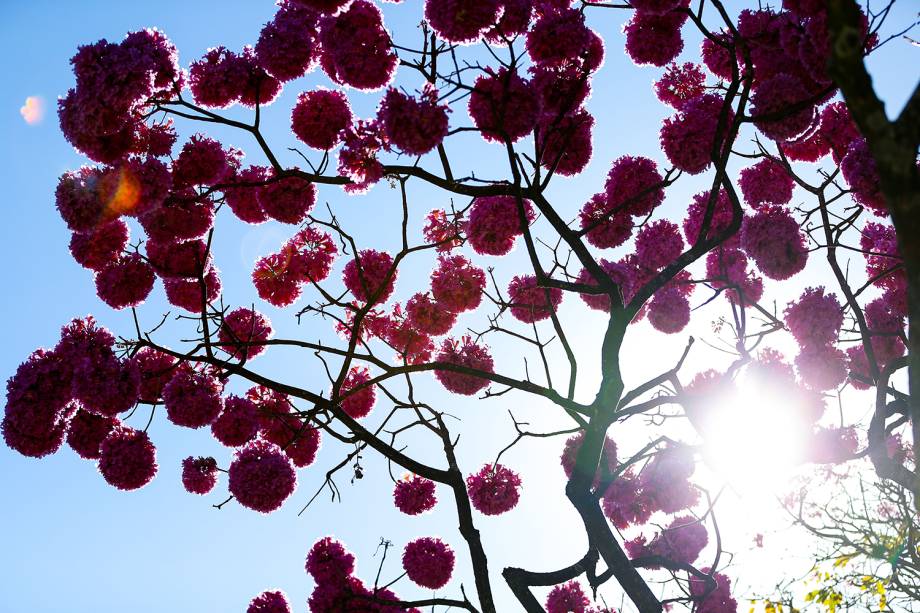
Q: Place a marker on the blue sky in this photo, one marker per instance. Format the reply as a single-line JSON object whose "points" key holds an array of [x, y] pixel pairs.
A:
{"points": [[72, 543]]}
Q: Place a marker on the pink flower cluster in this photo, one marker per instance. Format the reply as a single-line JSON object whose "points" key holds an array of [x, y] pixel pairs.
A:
{"points": [[261, 476], [371, 276], [320, 117], [337, 589], [199, 475], [444, 229], [718, 600], [288, 45], [238, 423], [242, 333], [462, 22], [624, 503], [273, 601], [688, 137], [653, 36], [279, 425], [727, 268], [414, 126], [633, 188], [665, 482], [125, 282], [557, 37], [494, 489], [669, 310], [766, 182], [815, 318], [182, 215], [568, 598], [565, 142], [429, 562], [457, 284], [363, 141], [193, 399], [680, 83], [203, 161], [127, 458], [428, 316], [531, 302], [103, 115], [222, 78], [861, 174], [82, 367], [495, 222], [682, 541], [503, 106], [773, 239], [833, 445], [87, 431], [356, 47], [358, 404], [772, 97], [608, 460], [466, 354], [306, 257], [606, 226], [658, 244], [414, 495], [101, 246]]}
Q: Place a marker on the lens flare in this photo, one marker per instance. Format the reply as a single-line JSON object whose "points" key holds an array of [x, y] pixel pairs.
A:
{"points": [[33, 111], [123, 193], [757, 437]]}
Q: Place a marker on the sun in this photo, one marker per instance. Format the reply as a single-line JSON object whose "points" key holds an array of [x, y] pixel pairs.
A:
{"points": [[756, 438]]}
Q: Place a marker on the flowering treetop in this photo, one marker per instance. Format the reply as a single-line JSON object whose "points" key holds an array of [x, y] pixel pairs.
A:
{"points": [[518, 73]]}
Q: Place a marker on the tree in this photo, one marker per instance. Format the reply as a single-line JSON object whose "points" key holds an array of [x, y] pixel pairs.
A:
{"points": [[763, 96]]}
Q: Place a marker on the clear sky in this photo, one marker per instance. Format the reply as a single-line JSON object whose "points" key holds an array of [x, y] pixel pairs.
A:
{"points": [[69, 542]]}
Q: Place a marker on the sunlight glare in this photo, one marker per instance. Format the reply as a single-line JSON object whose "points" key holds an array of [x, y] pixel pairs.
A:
{"points": [[756, 438]]}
